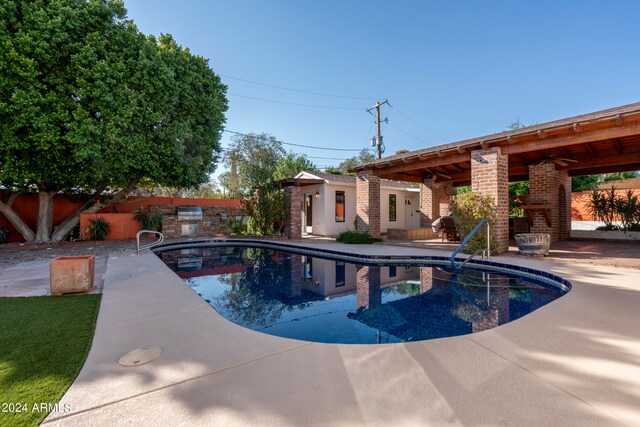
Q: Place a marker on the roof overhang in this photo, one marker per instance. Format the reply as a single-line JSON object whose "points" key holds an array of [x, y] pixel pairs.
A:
{"points": [[598, 142], [299, 182]]}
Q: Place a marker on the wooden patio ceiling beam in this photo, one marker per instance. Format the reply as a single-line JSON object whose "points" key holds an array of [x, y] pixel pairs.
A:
{"points": [[603, 161], [416, 165], [399, 177], [466, 176], [618, 146], [625, 129], [602, 169]]}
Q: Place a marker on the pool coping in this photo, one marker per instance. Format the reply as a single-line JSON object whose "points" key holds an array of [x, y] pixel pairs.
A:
{"points": [[221, 373], [500, 267]]}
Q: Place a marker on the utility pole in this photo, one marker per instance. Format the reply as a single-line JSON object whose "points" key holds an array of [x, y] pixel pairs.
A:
{"points": [[378, 138]]}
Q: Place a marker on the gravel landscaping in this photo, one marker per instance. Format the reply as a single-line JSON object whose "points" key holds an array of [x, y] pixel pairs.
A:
{"points": [[16, 253]]}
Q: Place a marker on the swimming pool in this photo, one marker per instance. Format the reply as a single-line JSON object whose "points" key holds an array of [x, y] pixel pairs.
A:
{"points": [[337, 298]]}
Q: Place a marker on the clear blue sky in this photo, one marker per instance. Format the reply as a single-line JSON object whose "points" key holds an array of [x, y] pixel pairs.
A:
{"points": [[459, 69]]}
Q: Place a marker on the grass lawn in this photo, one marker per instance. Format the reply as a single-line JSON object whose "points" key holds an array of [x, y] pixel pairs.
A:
{"points": [[43, 343]]}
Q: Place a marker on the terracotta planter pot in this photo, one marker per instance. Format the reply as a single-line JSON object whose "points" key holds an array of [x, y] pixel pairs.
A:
{"points": [[72, 274]]}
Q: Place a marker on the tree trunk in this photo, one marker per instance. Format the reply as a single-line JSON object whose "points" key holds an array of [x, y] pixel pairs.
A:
{"points": [[72, 220], [90, 207], [44, 225], [45, 217], [14, 219]]}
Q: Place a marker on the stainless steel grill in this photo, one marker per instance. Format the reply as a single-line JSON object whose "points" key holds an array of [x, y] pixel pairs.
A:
{"points": [[190, 213]]}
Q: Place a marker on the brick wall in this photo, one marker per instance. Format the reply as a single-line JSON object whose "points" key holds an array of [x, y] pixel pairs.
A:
{"points": [[411, 233], [211, 224], [26, 206], [293, 219], [368, 203], [434, 200], [489, 175], [552, 188]]}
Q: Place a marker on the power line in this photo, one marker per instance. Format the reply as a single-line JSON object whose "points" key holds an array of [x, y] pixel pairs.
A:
{"points": [[408, 134], [295, 90], [325, 158], [301, 145], [419, 124], [295, 103]]}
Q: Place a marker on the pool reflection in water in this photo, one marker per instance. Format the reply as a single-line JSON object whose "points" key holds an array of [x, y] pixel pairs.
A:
{"points": [[323, 300]]}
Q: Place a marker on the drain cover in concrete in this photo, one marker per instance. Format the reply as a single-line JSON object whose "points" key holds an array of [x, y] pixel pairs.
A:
{"points": [[140, 356]]}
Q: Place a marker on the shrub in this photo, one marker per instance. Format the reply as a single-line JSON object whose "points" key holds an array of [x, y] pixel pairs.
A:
{"points": [[469, 209], [356, 238], [267, 209], [608, 227], [236, 226], [607, 206], [148, 220], [99, 228]]}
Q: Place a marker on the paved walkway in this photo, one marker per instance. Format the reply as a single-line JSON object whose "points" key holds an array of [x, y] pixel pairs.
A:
{"points": [[613, 254], [31, 279], [575, 362]]}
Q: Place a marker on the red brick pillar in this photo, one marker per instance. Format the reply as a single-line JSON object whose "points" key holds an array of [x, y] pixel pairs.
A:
{"points": [[368, 203], [293, 220], [368, 293], [564, 205], [448, 191], [431, 196], [490, 175], [552, 188]]}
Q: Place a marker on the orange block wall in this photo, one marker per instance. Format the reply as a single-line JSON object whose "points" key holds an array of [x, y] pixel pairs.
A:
{"points": [[123, 225], [580, 203], [26, 206]]}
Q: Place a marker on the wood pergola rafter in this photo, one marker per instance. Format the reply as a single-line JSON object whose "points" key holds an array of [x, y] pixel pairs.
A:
{"points": [[607, 140]]}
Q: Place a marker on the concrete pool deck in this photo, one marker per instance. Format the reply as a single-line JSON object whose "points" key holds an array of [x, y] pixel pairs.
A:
{"points": [[575, 361]]}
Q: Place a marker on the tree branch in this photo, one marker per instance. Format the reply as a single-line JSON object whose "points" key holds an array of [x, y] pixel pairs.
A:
{"points": [[18, 223], [90, 206]]}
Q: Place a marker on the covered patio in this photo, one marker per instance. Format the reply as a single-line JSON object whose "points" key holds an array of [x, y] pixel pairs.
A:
{"points": [[547, 155]]}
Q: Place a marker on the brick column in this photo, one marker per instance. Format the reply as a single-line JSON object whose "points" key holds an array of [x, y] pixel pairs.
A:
{"points": [[490, 175], [433, 201], [293, 220], [545, 187], [368, 203], [368, 293]]}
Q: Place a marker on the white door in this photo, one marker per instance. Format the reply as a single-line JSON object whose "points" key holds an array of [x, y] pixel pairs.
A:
{"points": [[408, 213]]}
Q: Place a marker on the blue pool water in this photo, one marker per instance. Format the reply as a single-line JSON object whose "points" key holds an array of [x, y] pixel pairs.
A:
{"points": [[325, 300]]}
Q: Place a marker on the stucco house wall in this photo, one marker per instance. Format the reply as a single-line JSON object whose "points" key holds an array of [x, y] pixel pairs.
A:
{"points": [[323, 206]]}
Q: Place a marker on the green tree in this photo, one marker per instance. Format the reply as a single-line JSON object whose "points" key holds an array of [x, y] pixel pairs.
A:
{"points": [[292, 164], [585, 182], [365, 156], [517, 189], [617, 176], [254, 159], [255, 162], [251, 160], [90, 106]]}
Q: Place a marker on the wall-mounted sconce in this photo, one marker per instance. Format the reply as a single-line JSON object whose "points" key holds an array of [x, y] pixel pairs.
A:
{"points": [[317, 195]]}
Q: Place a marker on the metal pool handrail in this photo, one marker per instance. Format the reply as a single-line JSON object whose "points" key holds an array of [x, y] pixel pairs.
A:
{"points": [[466, 240], [149, 245]]}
